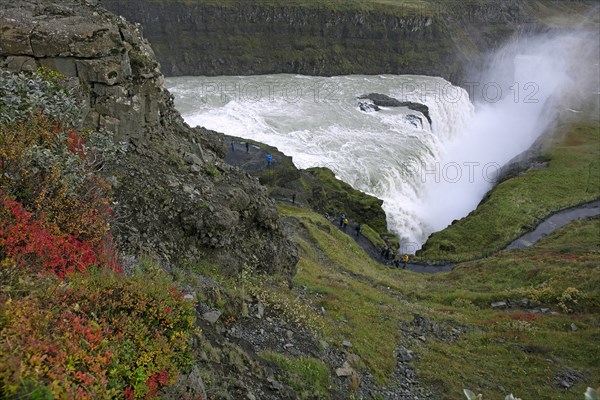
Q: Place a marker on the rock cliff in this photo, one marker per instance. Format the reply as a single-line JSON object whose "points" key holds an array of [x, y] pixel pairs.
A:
{"points": [[321, 37], [175, 197], [257, 37]]}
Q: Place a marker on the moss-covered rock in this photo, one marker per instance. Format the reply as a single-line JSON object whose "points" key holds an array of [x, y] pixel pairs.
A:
{"points": [[315, 188]]}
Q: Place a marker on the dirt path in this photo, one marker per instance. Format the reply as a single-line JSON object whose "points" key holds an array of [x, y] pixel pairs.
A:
{"points": [[555, 221]]}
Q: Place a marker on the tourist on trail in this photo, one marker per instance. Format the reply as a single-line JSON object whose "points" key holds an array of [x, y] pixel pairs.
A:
{"points": [[247, 147], [387, 253], [269, 160], [357, 229], [345, 224], [405, 261], [383, 250], [396, 263], [232, 148], [342, 218], [294, 198]]}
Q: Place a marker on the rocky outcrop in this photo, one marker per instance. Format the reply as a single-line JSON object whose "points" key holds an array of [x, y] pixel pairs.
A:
{"points": [[382, 100], [175, 197]]}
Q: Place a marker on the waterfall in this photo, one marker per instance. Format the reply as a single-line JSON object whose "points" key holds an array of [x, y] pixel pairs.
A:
{"points": [[318, 122], [527, 84]]}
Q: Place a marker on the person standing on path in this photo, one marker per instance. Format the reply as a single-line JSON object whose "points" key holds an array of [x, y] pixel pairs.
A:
{"points": [[247, 147], [405, 259], [345, 224], [342, 218], [357, 229], [269, 160], [232, 148], [294, 198]]}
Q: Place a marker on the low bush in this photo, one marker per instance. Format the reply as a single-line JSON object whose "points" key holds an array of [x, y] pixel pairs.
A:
{"points": [[97, 335], [71, 325]]}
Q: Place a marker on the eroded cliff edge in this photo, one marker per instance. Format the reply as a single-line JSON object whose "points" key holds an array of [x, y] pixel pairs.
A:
{"points": [[175, 197]]}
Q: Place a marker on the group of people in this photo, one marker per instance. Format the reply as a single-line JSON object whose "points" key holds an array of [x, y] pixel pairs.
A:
{"points": [[344, 224], [388, 253], [247, 146]]}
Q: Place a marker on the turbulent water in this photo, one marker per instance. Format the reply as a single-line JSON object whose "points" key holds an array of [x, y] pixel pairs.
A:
{"points": [[427, 175], [318, 122]]}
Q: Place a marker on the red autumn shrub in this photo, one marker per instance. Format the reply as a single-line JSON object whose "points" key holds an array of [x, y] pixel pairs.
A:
{"points": [[26, 240], [49, 170], [102, 335]]}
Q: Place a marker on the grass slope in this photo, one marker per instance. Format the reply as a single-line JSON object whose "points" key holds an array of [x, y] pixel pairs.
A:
{"points": [[523, 352]]}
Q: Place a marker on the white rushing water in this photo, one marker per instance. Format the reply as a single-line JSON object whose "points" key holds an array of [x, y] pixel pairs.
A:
{"points": [[318, 122], [426, 175]]}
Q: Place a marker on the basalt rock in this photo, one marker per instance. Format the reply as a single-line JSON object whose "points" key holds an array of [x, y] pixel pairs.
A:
{"points": [[259, 37], [383, 100], [175, 197]]}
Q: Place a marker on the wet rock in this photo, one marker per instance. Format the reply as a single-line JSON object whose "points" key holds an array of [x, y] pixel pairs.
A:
{"points": [[368, 107], [415, 121], [383, 100]]}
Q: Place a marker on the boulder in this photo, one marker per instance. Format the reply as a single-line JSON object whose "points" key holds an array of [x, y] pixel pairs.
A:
{"points": [[212, 316]]}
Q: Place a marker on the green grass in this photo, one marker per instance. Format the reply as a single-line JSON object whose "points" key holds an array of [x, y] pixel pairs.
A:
{"points": [[309, 377], [353, 306], [372, 236], [366, 303], [569, 258], [343, 198], [517, 205], [520, 351]]}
